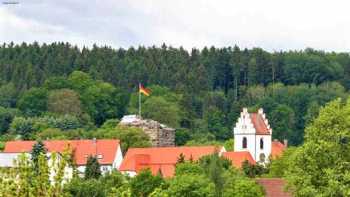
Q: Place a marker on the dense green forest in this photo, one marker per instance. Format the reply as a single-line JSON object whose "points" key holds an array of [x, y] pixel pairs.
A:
{"points": [[50, 89]]}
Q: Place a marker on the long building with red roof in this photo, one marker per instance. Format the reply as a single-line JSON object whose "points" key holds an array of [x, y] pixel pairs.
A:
{"points": [[107, 151], [163, 159]]}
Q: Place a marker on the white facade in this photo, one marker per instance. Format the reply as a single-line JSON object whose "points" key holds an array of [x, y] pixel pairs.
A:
{"points": [[246, 137], [106, 168], [7, 160]]}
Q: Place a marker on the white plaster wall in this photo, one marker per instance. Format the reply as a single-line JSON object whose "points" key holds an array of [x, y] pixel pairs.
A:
{"points": [[267, 147], [68, 171], [245, 128], [118, 159], [238, 146]]}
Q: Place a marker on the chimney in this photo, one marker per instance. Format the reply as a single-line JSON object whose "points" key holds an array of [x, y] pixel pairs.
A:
{"points": [[95, 144], [285, 142], [261, 111]]}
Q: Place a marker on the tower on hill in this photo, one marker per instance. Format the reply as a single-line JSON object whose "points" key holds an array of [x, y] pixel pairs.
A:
{"points": [[159, 134], [253, 133]]}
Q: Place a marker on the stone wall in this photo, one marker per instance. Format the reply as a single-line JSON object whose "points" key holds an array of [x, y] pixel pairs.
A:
{"points": [[159, 134]]}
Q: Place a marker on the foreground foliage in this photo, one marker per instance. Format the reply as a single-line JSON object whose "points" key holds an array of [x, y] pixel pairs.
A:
{"points": [[321, 167]]}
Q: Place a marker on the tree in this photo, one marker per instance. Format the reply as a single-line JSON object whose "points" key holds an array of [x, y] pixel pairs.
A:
{"points": [[282, 120], [188, 168], [110, 124], [161, 110], [6, 117], [22, 126], [145, 183], [215, 119], [182, 136], [181, 158], [37, 150], [191, 185], [238, 186], [55, 83], [93, 168], [112, 181], [33, 102], [8, 95], [129, 136], [279, 166], [80, 81], [100, 101], [23, 180], [64, 102], [214, 166], [253, 170], [320, 165], [85, 188]]}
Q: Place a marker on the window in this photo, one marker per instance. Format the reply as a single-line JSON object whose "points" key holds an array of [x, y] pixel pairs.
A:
{"points": [[261, 143], [262, 157], [244, 143]]}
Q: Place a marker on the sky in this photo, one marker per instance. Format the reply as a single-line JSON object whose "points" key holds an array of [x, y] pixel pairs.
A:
{"points": [[273, 25]]}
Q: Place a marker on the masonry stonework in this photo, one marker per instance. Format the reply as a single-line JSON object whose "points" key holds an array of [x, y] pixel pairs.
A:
{"points": [[159, 134]]}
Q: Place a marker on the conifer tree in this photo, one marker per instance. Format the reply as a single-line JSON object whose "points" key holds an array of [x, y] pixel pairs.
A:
{"points": [[93, 168]]}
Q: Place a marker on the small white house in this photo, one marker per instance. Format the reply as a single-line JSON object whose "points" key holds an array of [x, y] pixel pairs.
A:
{"points": [[8, 160], [107, 151]]}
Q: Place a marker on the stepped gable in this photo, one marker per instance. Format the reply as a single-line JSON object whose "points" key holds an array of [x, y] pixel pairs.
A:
{"points": [[260, 123], [159, 134]]}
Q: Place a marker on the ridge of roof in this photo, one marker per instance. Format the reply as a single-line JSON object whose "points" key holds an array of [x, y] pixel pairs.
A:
{"points": [[162, 158], [259, 124]]}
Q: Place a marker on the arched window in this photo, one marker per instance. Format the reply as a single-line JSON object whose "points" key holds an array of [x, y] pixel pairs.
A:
{"points": [[261, 143], [262, 157], [244, 142]]}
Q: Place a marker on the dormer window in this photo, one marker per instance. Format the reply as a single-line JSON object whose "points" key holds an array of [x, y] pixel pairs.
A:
{"points": [[244, 142], [99, 156]]}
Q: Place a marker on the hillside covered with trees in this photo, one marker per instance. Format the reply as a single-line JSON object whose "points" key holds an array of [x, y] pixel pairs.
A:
{"points": [[61, 91]]}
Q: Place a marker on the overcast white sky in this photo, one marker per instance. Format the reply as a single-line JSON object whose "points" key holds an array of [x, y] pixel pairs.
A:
{"points": [[270, 24]]}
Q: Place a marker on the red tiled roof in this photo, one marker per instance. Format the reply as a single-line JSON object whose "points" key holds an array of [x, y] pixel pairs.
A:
{"points": [[277, 149], [238, 157], [162, 159], [82, 148], [259, 124], [274, 187]]}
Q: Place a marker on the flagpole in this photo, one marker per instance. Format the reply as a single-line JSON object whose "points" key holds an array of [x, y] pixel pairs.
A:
{"points": [[139, 100]]}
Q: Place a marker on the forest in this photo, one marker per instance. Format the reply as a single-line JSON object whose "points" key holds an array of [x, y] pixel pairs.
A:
{"points": [[62, 91]]}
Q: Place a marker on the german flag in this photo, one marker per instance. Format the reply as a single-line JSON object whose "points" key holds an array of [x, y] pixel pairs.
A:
{"points": [[144, 90]]}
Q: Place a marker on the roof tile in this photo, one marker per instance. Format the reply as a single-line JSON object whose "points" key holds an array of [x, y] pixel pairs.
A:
{"points": [[237, 158], [107, 148], [259, 124], [162, 159]]}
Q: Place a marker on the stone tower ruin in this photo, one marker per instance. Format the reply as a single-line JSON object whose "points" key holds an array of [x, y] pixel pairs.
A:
{"points": [[159, 134]]}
